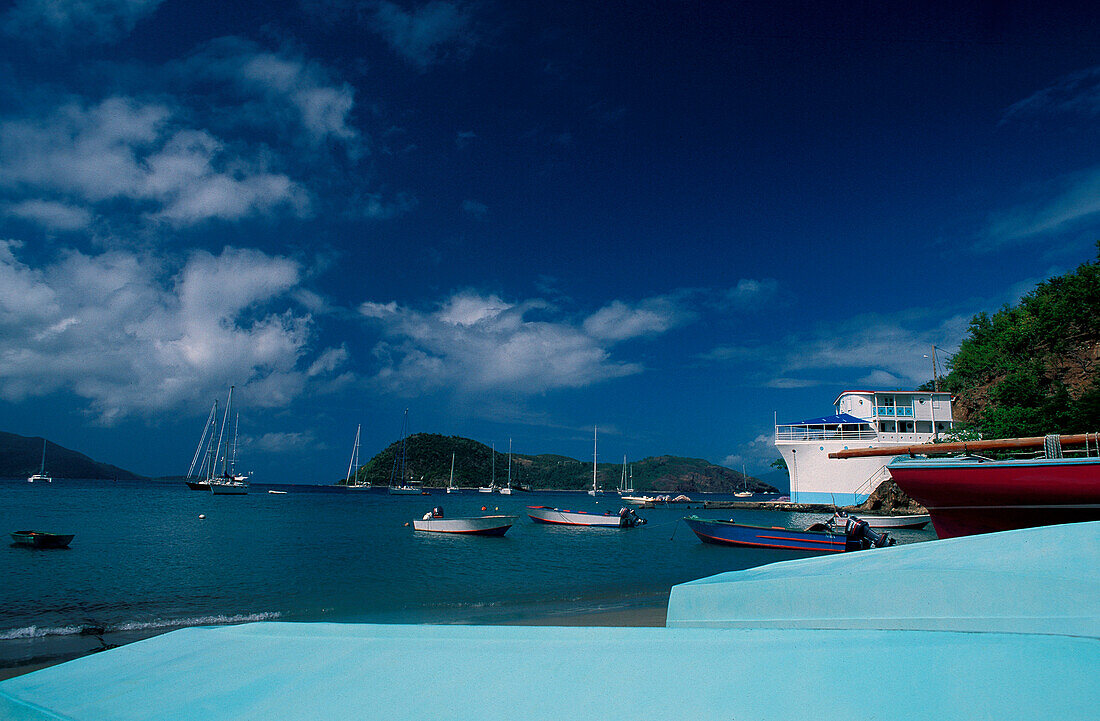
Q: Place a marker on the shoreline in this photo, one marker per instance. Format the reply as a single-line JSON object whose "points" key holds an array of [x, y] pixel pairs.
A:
{"points": [[649, 615]]}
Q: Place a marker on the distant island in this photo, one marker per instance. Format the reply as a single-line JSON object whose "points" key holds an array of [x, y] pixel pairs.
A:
{"points": [[428, 460], [20, 456]]}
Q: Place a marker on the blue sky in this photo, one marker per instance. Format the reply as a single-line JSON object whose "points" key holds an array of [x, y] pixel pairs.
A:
{"points": [[672, 220]]}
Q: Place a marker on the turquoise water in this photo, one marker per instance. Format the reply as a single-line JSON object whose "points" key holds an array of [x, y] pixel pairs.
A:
{"points": [[143, 561]]}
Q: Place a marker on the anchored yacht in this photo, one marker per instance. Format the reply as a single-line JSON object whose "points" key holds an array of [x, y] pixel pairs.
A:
{"points": [[861, 419]]}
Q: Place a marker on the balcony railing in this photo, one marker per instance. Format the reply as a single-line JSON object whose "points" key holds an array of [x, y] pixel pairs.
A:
{"points": [[821, 433], [894, 412]]}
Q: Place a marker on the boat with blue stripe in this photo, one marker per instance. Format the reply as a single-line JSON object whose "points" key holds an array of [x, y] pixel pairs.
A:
{"points": [[819, 537]]}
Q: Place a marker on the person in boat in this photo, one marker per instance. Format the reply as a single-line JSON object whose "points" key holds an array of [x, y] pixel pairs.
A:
{"points": [[436, 512]]}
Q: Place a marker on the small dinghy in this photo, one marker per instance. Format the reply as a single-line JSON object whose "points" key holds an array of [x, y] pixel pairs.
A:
{"points": [[625, 518], [39, 539], [435, 522]]}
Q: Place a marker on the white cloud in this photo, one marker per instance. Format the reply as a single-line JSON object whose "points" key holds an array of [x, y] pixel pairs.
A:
{"points": [[123, 149], [284, 442], [475, 209], [751, 292], [476, 344], [1072, 202], [51, 214], [620, 321], [429, 34], [1075, 93], [887, 350], [137, 334], [279, 88], [375, 206], [81, 21]]}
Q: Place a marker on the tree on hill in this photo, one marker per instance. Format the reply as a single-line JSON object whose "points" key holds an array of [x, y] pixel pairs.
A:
{"points": [[1032, 369]]}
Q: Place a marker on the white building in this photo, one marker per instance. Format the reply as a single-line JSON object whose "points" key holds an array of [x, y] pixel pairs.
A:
{"points": [[861, 419]]}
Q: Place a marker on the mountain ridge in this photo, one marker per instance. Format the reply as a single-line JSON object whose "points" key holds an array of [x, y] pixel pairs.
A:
{"points": [[428, 460], [20, 456]]}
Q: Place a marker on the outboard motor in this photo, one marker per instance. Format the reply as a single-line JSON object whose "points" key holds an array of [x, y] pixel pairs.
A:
{"points": [[628, 518], [858, 530]]}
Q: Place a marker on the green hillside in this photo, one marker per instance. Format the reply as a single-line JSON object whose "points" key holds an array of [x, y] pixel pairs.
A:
{"points": [[21, 456], [1034, 369], [428, 459]]}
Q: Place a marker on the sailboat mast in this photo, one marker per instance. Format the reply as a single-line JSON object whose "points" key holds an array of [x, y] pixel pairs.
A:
{"points": [[210, 458], [43, 471], [509, 462], [353, 466], [221, 433], [236, 436], [493, 480], [593, 458], [451, 483]]}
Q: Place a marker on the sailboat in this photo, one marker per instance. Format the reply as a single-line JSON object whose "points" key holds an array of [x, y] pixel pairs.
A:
{"points": [[507, 490], [398, 485], [623, 487], [596, 490], [492, 487], [226, 484], [451, 483], [204, 450], [744, 492], [41, 476], [352, 483]]}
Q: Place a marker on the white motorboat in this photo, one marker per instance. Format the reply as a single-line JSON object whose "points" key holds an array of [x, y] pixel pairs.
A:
{"points": [[625, 518], [435, 522], [917, 520]]}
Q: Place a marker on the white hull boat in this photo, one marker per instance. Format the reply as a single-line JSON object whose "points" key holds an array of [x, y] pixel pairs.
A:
{"points": [[228, 487], [625, 518], [474, 526], [918, 520], [406, 491]]}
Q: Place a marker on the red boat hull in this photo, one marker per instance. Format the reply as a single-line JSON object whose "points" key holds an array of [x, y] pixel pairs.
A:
{"points": [[965, 496]]}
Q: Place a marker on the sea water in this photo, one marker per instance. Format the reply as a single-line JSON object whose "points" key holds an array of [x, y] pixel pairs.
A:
{"points": [[143, 561]]}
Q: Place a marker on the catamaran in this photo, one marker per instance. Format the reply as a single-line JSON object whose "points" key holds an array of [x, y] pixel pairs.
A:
{"points": [[41, 476], [352, 483], [398, 485], [595, 490]]}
